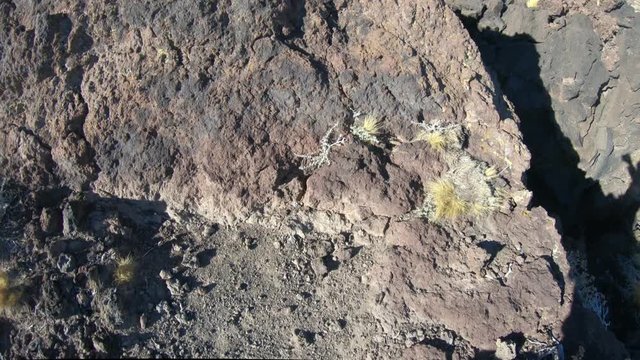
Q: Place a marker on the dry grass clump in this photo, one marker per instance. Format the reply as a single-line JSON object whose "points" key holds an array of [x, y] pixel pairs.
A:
{"points": [[532, 4], [446, 202], [9, 296], [368, 130], [125, 270], [465, 190], [439, 136]]}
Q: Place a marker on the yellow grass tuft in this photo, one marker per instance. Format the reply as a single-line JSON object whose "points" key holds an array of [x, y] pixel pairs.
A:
{"points": [[368, 130], [8, 297], [125, 270], [465, 190], [437, 140], [491, 172], [4, 280], [447, 203], [371, 125]]}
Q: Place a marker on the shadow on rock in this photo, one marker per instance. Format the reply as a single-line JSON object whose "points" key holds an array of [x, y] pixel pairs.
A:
{"points": [[594, 226], [103, 264]]}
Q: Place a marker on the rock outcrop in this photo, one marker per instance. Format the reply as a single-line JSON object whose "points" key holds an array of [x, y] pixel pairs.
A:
{"points": [[148, 127]]}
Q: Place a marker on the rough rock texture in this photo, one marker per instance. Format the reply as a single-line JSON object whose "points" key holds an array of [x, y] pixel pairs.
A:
{"points": [[588, 66], [569, 69], [170, 131]]}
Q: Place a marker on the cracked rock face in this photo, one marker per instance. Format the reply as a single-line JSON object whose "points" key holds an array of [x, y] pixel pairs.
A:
{"points": [[588, 67], [205, 107]]}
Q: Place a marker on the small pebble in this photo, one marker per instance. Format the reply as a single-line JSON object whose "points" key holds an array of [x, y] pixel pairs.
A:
{"points": [[165, 275], [143, 321]]}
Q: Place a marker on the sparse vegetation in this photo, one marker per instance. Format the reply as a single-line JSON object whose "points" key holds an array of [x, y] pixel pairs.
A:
{"points": [[447, 203], [9, 296], [368, 130], [467, 189], [125, 270], [439, 136], [321, 157]]}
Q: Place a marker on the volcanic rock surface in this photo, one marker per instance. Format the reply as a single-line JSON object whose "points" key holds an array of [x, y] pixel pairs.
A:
{"points": [[175, 133]]}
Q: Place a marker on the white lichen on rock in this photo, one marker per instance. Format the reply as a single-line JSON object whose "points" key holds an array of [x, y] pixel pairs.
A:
{"points": [[321, 157], [440, 136]]}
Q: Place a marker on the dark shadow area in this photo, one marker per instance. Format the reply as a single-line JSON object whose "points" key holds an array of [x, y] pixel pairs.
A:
{"points": [[595, 225], [70, 262], [5, 340], [442, 345], [492, 248]]}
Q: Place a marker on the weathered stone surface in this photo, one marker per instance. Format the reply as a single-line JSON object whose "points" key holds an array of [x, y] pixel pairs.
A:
{"points": [[588, 67], [205, 106], [432, 276]]}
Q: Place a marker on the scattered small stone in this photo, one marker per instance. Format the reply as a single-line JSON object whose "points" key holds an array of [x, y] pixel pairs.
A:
{"points": [[83, 298], [65, 263], [174, 287], [176, 250], [277, 244], [300, 233], [319, 268], [335, 325], [51, 220], [288, 310], [345, 253], [190, 262], [505, 350], [305, 337], [68, 220], [409, 343], [210, 230], [291, 241], [165, 275], [182, 318], [163, 308], [185, 288], [99, 344], [249, 242]]}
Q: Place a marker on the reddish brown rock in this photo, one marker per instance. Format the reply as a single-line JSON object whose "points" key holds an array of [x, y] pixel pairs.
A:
{"points": [[187, 113]]}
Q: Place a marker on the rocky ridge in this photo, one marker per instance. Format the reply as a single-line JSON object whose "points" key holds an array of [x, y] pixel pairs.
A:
{"points": [[175, 132]]}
